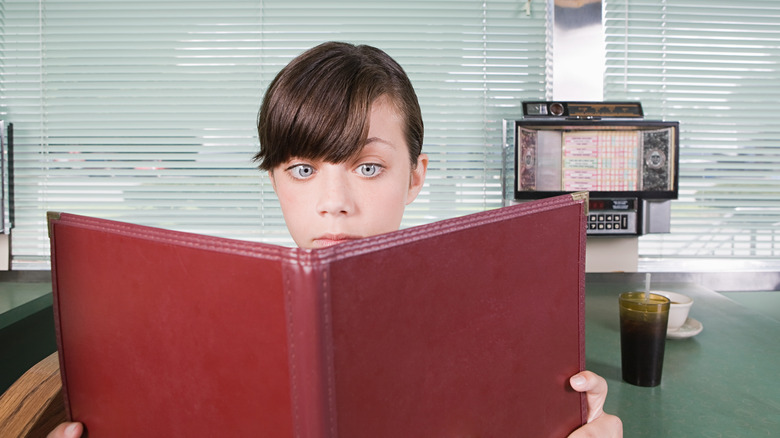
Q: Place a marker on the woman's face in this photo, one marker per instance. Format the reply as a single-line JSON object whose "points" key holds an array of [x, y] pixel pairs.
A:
{"points": [[325, 203]]}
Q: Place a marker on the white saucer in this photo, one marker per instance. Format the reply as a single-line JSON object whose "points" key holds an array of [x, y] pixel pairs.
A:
{"points": [[690, 327]]}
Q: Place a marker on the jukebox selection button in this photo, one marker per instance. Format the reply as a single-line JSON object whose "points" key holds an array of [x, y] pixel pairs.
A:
{"points": [[609, 223]]}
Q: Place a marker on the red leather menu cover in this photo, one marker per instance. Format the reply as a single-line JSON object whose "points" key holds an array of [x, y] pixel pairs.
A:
{"points": [[460, 328]]}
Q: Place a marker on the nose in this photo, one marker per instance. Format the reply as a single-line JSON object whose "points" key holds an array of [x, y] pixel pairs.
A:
{"points": [[335, 195]]}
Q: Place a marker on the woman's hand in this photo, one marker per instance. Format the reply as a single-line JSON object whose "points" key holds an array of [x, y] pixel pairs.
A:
{"points": [[66, 430], [600, 424]]}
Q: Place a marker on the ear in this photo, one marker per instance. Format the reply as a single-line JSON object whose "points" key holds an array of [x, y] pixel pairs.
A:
{"points": [[417, 179], [273, 181]]}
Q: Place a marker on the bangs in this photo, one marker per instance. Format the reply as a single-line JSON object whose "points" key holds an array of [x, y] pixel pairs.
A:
{"points": [[317, 110], [323, 119], [318, 106]]}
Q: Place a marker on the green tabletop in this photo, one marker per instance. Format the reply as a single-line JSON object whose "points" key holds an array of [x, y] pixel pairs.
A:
{"points": [[722, 382], [26, 323], [19, 300]]}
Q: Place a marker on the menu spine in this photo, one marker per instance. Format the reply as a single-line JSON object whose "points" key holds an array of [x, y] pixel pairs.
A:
{"points": [[307, 301]]}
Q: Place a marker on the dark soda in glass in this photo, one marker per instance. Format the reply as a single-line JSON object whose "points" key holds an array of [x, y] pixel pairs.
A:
{"points": [[643, 337]]}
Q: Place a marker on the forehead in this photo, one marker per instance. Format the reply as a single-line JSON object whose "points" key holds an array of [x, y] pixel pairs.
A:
{"points": [[385, 129], [384, 116]]}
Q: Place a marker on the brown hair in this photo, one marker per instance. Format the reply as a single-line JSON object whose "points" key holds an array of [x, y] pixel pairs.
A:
{"points": [[318, 106]]}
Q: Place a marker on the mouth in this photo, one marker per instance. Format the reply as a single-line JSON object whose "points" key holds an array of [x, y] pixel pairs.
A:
{"points": [[327, 240]]}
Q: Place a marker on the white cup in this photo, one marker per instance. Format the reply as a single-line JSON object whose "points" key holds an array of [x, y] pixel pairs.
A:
{"points": [[678, 309]]}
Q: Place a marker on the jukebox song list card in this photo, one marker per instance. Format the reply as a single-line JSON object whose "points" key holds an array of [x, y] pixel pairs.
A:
{"points": [[600, 160]]}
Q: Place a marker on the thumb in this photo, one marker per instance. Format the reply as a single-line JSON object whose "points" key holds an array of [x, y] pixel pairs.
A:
{"points": [[67, 430]]}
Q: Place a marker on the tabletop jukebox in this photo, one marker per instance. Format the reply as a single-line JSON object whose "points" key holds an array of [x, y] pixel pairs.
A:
{"points": [[628, 165]]}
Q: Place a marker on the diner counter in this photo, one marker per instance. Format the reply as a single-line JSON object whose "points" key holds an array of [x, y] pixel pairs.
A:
{"points": [[19, 300], [26, 323], [722, 382]]}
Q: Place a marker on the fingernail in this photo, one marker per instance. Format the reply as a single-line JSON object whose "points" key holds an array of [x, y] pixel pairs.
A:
{"points": [[71, 430]]}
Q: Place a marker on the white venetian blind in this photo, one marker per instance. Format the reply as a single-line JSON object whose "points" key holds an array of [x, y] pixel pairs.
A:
{"points": [[714, 65], [144, 111]]}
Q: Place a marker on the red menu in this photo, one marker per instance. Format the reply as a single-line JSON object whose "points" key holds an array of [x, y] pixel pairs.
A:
{"points": [[463, 327]]}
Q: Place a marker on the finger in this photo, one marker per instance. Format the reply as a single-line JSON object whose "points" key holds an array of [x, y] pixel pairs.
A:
{"points": [[595, 388], [66, 430], [607, 426]]}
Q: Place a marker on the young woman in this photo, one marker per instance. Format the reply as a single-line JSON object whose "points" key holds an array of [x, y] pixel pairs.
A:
{"points": [[341, 137]]}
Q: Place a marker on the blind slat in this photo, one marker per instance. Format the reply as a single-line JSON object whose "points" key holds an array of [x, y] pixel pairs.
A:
{"points": [[145, 111], [713, 66]]}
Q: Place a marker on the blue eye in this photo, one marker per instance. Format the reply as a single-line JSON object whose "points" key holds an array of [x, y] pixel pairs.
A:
{"points": [[301, 171], [368, 169]]}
